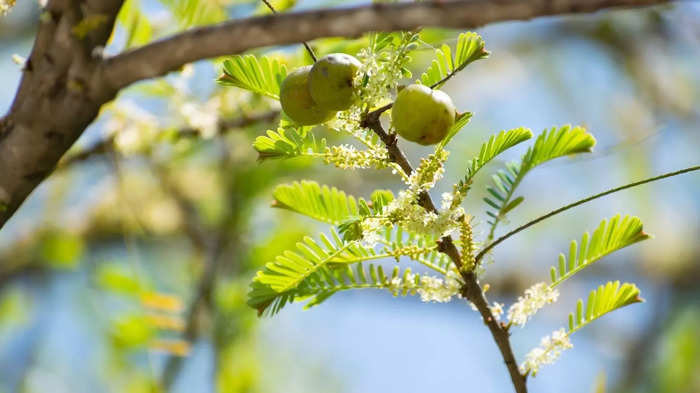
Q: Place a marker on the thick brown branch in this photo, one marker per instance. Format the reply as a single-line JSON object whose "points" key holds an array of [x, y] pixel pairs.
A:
{"points": [[233, 37], [471, 289]]}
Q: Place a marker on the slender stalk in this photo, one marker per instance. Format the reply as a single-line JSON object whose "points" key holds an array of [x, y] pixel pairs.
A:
{"points": [[488, 248], [306, 45], [471, 289]]}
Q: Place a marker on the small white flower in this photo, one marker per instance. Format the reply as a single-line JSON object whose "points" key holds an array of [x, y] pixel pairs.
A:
{"points": [[434, 289], [549, 350], [348, 157], [370, 231], [202, 117], [497, 310], [536, 297], [447, 198]]}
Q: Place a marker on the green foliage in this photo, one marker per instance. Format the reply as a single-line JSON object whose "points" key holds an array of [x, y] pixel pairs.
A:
{"points": [[131, 331], [61, 249], [262, 75], [470, 47], [286, 278], [496, 145], [372, 277], [555, 143], [676, 370], [609, 237], [279, 6], [288, 142], [368, 230], [190, 13], [326, 204], [322, 203], [461, 121], [302, 273], [608, 297], [137, 25], [115, 278]]}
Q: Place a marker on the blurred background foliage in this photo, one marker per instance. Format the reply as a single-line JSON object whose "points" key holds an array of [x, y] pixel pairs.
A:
{"points": [[127, 270]]}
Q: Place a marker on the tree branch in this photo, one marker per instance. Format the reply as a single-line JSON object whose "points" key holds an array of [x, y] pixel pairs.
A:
{"points": [[232, 37], [64, 84], [471, 290]]}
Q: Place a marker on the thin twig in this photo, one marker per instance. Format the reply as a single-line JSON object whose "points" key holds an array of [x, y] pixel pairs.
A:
{"points": [[306, 45], [380, 110], [488, 248], [225, 125]]}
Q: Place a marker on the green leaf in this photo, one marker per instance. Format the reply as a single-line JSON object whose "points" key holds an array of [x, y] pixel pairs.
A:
{"points": [[496, 145], [263, 76], [470, 47], [61, 249], [551, 144], [609, 237], [288, 277], [288, 142], [461, 121], [328, 204], [606, 298], [279, 6], [555, 143], [116, 278], [399, 283], [190, 13], [137, 25], [318, 268], [322, 203]]}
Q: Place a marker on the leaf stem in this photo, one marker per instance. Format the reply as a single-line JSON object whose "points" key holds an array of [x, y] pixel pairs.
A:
{"points": [[493, 244], [306, 45]]}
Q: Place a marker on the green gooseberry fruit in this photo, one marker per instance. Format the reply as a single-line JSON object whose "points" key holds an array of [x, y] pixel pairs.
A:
{"points": [[422, 115], [331, 81], [297, 102]]}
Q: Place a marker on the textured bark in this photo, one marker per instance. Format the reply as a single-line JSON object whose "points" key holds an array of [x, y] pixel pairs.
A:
{"points": [[66, 81], [59, 96]]}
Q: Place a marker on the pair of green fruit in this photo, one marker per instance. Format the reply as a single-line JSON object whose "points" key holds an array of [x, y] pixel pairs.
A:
{"points": [[313, 94]]}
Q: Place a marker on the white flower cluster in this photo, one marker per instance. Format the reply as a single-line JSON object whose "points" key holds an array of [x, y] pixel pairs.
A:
{"points": [[348, 157], [383, 69], [202, 117], [549, 350], [406, 212], [134, 130], [536, 297], [370, 231], [430, 289], [6, 6], [349, 122], [429, 172], [374, 79]]}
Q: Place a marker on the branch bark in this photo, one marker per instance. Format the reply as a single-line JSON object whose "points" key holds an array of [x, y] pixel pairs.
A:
{"points": [[65, 83], [169, 54], [59, 96]]}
